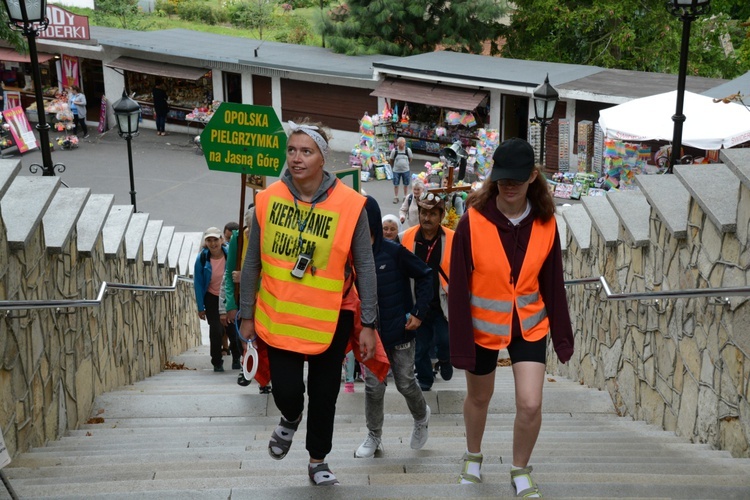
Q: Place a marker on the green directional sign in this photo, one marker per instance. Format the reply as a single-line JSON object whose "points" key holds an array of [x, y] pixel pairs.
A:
{"points": [[245, 139]]}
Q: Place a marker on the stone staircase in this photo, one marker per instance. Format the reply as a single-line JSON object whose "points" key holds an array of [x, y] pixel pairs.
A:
{"points": [[194, 433]]}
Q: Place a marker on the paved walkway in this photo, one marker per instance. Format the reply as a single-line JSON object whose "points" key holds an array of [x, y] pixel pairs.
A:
{"points": [[172, 180]]}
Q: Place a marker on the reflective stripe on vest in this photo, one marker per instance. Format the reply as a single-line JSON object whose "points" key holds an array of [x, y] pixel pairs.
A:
{"points": [[301, 314], [492, 299], [446, 243]]}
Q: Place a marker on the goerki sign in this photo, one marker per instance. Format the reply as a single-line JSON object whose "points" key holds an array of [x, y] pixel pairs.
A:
{"points": [[65, 25]]}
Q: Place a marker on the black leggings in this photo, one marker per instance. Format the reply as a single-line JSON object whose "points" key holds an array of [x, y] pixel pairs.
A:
{"points": [[323, 384]]}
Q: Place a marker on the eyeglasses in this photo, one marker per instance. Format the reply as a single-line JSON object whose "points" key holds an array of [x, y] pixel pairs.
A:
{"points": [[510, 183]]}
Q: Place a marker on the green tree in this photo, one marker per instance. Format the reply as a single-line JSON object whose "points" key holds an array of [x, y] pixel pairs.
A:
{"points": [[13, 37], [402, 28], [256, 15], [123, 14], [625, 34]]}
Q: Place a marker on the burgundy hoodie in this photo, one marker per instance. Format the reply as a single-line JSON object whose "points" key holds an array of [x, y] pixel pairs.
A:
{"points": [[515, 240]]}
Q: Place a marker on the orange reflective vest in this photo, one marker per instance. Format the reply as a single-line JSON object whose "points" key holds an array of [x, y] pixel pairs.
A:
{"points": [[493, 299], [446, 241], [301, 314]]}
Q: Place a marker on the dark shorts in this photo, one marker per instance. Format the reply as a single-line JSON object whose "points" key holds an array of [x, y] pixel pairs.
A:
{"points": [[519, 350], [404, 176]]}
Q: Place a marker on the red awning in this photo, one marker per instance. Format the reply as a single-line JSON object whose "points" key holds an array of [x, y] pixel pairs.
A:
{"points": [[11, 55], [431, 94]]}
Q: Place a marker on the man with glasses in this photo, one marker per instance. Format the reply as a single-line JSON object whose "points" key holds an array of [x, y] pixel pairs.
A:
{"points": [[432, 242]]}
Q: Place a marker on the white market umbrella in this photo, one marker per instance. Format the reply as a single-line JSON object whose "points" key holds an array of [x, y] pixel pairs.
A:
{"points": [[708, 125]]}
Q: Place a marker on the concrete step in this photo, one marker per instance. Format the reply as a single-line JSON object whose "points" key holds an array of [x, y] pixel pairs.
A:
{"points": [[197, 434]]}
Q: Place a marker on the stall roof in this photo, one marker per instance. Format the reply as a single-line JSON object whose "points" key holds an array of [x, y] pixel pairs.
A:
{"points": [[208, 48], [432, 94], [157, 68], [740, 85], [11, 55]]}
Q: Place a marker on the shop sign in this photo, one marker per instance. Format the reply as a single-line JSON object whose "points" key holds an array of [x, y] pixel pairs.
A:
{"points": [[244, 139], [64, 25]]}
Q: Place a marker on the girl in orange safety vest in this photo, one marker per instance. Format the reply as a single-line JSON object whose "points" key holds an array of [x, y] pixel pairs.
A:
{"points": [[507, 292]]}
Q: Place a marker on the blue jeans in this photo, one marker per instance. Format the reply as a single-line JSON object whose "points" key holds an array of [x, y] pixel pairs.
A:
{"points": [[401, 358], [432, 331]]}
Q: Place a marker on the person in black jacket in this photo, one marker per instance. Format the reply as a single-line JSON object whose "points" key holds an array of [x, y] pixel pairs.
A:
{"points": [[161, 107], [398, 318]]}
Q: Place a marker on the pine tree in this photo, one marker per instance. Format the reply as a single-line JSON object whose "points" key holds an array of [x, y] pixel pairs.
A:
{"points": [[402, 28]]}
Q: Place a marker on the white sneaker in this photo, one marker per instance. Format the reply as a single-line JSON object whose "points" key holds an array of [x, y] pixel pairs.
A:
{"points": [[368, 448], [421, 432]]}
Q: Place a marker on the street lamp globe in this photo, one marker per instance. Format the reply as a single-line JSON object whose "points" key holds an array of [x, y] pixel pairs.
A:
{"points": [[26, 11], [545, 100], [688, 8], [128, 113]]}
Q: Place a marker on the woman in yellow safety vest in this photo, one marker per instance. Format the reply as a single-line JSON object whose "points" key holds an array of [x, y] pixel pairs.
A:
{"points": [[507, 292], [310, 237]]}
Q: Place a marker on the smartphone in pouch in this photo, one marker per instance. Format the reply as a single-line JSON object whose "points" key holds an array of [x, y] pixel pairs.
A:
{"points": [[303, 262]]}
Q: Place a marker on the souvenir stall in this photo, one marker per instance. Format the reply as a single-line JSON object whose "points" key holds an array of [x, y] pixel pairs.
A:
{"points": [[15, 74], [189, 89], [370, 154], [6, 138], [59, 115]]}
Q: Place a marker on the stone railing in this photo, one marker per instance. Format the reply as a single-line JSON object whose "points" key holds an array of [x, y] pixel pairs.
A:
{"points": [[56, 361], [679, 363]]}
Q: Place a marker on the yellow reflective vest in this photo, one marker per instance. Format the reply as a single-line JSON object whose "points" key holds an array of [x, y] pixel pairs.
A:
{"points": [[301, 314]]}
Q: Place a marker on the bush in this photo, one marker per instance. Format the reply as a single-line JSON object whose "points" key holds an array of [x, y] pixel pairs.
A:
{"points": [[200, 11], [168, 7], [295, 30]]}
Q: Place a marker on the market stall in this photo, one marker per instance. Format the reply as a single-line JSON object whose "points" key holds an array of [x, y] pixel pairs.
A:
{"points": [[189, 90], [431, 117], [15, 75]]}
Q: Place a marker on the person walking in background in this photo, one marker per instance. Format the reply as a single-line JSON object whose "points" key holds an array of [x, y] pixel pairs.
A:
{"points": [[77, 103], [207, 275], [401, 160], [507, 291], [231, 280], [391, 228], [432, 242], [161, 107], [398, 318], [309, 244], [409, 212], [230, 335]]}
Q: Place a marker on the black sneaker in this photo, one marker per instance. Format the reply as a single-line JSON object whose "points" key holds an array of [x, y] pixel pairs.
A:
{"points": [[218, 368], [446, 370], [242, 381], [266, 389], [86, 136]]}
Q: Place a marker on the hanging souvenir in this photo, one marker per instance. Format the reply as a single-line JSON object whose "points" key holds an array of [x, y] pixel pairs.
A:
{"points": [[395, 114], [405, 115]]}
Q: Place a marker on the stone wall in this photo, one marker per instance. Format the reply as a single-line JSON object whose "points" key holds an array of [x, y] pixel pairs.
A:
{"points": [[56, 361], [679, 363]]}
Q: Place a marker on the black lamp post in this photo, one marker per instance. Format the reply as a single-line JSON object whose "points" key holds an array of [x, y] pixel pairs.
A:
{"points": [[29, 17], [545, 100], [687, 11], [128, 113]]}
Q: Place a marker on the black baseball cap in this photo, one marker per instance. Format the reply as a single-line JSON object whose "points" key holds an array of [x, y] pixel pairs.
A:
{"points": [[514, 160]]}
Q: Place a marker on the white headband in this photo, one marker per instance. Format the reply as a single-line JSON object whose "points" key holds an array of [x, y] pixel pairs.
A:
{"points": [[312, 131]]}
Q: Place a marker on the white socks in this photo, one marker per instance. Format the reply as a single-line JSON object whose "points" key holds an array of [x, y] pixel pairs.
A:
{"points": [[473, 468], [522, 482]]}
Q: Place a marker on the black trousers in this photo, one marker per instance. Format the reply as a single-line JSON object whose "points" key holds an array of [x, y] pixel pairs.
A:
{"points": [[323, 385], [80, 120], [215, 328]]}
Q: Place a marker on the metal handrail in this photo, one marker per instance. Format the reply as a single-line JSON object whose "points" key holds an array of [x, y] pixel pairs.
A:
{"points": [[732, 291], [15, 305]]}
